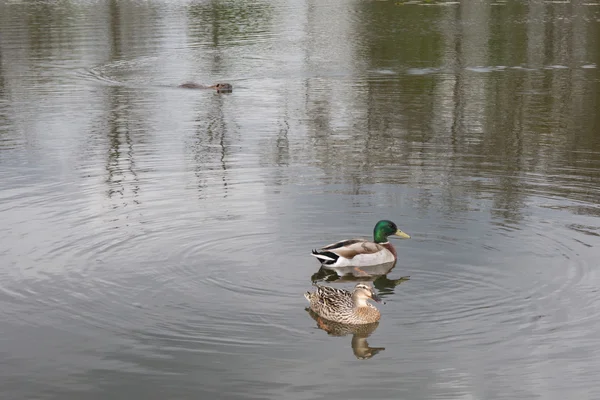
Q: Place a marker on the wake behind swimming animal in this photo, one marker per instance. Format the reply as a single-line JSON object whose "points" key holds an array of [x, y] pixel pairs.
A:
{"points": [[220, 87]]}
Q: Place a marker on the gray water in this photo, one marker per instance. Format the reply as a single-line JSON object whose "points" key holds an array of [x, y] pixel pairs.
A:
{"points": [[155, 241]]}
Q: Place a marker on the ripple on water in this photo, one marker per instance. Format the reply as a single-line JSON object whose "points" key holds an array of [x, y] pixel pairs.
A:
{"points": [[162, 281], [536, 289], [459, 298]]}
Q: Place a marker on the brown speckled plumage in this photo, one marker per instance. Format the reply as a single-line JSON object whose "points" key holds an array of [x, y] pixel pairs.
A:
{"points": [[339, 305]]}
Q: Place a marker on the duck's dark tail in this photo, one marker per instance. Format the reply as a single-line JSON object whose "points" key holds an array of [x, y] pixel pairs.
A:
{"points": [[326, 257]]}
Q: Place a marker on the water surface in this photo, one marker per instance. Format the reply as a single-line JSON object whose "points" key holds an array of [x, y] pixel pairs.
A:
{"points": [[156, 241]]}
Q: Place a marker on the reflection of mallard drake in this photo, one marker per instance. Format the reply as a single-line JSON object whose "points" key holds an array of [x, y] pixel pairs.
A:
{"points": [[377, 274], [360, 333], [364, 273], [361, 252], [340, 305]]}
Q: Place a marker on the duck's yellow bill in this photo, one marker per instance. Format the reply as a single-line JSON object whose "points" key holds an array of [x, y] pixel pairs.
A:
{"points": [[402, 234]]}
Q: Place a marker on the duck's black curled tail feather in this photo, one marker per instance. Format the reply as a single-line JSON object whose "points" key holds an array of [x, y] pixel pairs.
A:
{"points": [[326, 257]]}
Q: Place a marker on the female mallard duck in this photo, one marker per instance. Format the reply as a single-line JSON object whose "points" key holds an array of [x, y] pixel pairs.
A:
{"points": [[339, 305], [361, 252]]}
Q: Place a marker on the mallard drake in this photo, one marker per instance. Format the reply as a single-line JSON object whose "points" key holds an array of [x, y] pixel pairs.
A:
{"points": [[340, 305], [361, 252]]}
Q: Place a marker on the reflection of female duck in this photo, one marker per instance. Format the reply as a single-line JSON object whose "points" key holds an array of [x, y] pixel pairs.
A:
{"points": [[339, 305], [361, 252], [360, 333]]}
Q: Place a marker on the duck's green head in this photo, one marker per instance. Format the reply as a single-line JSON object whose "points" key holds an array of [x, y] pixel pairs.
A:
{"points": [[386, 228]]}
